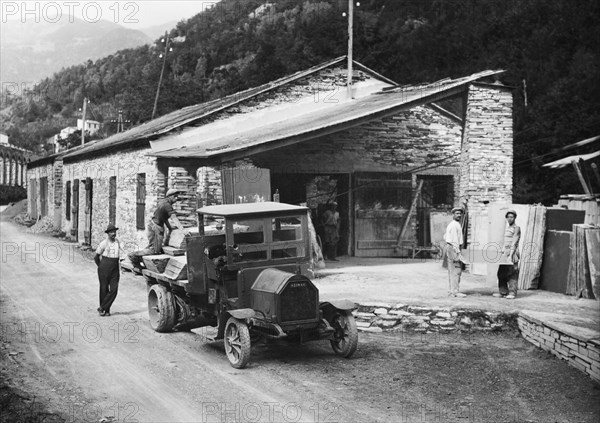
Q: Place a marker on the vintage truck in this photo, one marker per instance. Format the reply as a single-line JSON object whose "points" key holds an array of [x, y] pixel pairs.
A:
{"points": [[247, 270]]}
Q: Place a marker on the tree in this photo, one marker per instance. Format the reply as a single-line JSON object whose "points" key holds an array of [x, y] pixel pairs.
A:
{"points": [[74, 139]]}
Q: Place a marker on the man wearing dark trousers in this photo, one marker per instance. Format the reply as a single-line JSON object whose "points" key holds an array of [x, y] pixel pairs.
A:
{"points": [[107, 258], [508, 274], [155, 230]]}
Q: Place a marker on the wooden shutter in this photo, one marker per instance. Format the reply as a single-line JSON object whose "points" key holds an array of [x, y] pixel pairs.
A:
{"points": [[141, 201], [34, 197], [112, 200], [68, 201], [44, 196]]}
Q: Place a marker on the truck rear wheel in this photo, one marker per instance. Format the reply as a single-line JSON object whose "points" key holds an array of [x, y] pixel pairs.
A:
{"points": [[346, 334], [161, 309], [237, 343]]}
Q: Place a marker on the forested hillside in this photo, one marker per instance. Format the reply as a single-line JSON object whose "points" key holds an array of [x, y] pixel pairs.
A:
{"points": [[548, 47]]}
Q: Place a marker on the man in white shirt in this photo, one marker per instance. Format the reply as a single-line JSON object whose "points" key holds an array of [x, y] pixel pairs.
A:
{"points": [[454, 239], [508, 274], [107, 257]]}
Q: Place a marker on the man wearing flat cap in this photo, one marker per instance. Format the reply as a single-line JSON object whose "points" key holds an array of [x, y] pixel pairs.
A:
{"points": [[155, 229], [508, 274], [454, 239], [107, 258]]}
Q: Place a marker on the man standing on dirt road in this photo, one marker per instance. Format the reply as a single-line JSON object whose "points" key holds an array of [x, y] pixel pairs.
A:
{"points": [[155, 229], [107, 259], [454, 239], [508, 274]]}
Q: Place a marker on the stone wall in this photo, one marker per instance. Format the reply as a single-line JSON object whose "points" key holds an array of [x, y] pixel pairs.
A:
{"points": [[408, 141], [581, 352], [486, 172], [125, 166], [379, 317]]}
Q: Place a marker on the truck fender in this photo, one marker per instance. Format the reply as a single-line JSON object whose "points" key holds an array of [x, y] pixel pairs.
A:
{"points": [[338, 304], [242, 313]]}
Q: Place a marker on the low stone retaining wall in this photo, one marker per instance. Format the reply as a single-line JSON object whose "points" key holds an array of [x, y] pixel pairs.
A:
{"points": [[379, 317], [578, 350]]}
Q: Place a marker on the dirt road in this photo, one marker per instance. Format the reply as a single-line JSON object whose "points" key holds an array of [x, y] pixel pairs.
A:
{"points": [[60, 357]]}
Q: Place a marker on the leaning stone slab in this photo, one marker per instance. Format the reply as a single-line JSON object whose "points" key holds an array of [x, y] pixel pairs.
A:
{"points": [[157, 263]]}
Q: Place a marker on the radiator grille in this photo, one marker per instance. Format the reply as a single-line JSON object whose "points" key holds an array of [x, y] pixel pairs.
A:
{"points": [[298, 301]]}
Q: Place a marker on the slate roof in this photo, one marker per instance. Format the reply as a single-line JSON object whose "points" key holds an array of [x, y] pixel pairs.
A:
{"points": [[206, 142], [178, 118]]}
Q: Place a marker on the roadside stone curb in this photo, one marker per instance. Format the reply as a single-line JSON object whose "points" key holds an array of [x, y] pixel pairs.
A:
{"points": [[380, 317]]}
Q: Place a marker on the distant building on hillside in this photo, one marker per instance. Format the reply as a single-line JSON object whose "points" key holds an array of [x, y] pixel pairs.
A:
{"points": [[91, 127]]}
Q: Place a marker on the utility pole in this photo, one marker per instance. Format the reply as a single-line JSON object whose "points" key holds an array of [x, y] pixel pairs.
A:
{"points": [[85, 101], [350, 42], [162, 71]]}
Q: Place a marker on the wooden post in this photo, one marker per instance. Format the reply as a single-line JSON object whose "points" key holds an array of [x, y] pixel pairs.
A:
{"points": [[410, 212], [582, 180], [162, 71], [350, 42]]}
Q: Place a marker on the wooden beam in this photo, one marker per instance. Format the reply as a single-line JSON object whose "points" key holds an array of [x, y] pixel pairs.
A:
{"points": [[582, 180], [410, 212]]}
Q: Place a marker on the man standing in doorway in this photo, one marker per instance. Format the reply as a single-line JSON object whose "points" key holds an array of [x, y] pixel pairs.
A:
{"points": [[155, 230], [454, 239], [508, 274], [331, 229]]}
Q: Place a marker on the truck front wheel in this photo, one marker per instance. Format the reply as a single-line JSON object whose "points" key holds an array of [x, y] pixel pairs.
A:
{"points": [[161, 308], [237, 343], [345, 336]]}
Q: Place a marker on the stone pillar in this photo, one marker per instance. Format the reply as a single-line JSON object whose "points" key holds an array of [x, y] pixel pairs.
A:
{"points": [[12, 172], [180, 179], [210, 186], [18, 180], [2, 171], [486, 172]]}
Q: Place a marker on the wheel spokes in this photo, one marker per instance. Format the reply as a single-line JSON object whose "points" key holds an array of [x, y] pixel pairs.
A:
{"points": [[234, 344]]}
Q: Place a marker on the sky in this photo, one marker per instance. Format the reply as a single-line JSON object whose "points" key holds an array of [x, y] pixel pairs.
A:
{"points": [[131, 14]]}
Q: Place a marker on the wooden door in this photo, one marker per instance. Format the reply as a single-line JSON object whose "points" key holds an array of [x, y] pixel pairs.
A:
{"points": [[44, 196], [87, 229], [34, 197], [112, 200], [381, 204], [75, 210]]}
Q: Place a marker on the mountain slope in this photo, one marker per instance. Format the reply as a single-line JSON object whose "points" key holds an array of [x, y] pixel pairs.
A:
{"points": [[32, 51]]}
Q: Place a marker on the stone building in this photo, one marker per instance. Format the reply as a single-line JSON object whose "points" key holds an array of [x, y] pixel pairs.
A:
{"points": [[304, 136], [44, 188]]}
